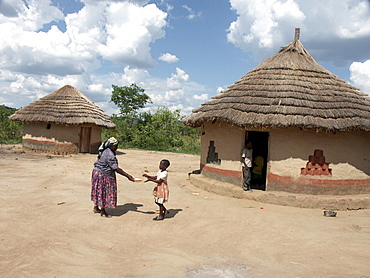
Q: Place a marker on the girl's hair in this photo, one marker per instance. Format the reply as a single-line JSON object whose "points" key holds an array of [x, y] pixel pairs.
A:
{"points": [[166, 162]]}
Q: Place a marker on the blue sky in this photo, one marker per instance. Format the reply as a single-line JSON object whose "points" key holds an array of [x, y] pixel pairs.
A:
{"points": [[181, 52]]}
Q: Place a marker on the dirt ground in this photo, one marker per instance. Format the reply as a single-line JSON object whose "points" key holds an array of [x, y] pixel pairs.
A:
{"points": [[48, 229]]}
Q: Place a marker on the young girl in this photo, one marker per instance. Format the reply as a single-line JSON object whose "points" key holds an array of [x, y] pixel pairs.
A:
{"points": [[160, 191]]}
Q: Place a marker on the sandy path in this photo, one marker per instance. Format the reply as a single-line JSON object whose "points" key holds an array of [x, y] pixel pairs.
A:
{"points": [[206, 235]]}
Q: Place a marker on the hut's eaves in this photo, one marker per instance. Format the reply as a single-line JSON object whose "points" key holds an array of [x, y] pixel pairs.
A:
{"points": [[66, 105], [288, 89]]}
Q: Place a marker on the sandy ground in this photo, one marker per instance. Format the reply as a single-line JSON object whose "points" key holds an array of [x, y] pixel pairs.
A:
{"points": [[48, 229]]}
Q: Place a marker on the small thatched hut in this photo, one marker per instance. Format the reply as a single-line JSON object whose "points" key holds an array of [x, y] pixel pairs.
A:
{"points": [[63, 122], [310, 126]]}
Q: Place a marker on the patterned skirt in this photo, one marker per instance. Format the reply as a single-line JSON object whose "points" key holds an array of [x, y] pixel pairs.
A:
{"points": [[103, 190], [161, 193]]}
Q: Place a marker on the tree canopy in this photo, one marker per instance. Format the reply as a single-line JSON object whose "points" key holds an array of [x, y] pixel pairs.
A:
{"points": [[129, 98]]}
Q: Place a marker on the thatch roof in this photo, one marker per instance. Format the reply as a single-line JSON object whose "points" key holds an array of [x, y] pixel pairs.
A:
{"points": [[66, 105], [288, 89]]}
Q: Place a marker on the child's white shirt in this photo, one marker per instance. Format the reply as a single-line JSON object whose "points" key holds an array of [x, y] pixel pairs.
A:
{"points": [[162, 175]]}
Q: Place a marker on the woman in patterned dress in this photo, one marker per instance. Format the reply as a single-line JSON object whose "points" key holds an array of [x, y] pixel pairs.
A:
{"points": [[160, 191], [103, 180]]}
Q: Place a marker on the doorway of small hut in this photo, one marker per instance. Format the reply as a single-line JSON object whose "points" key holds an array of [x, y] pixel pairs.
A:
{"points": [[85, 136], [259, 158]]}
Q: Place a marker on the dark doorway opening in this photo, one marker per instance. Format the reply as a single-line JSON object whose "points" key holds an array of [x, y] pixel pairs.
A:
{"points": [[260, 155], [85, 136]]}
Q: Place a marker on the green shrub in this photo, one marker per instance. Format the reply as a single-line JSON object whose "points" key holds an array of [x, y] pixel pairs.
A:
{"points": [[160, 131], [10, 131]]}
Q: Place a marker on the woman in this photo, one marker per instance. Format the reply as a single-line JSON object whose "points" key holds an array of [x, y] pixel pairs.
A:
{"points": [[103, 180]]}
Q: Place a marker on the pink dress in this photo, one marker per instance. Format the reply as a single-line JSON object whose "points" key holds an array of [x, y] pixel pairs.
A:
{"points": [[161, 192]]}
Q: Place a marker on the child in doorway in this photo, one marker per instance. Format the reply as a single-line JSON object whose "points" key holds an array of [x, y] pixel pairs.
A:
{"points": [[160, 191]]}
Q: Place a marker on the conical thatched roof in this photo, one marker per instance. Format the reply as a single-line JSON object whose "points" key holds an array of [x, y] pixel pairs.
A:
{"points": [[288, 89], [66, 105]]}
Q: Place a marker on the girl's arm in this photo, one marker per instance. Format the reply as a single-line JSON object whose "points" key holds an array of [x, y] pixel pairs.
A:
{"points": [[152, 178], [149, 177]]}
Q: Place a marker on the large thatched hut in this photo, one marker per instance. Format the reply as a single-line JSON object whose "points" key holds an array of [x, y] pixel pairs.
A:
{"points": [[63, 122], [310, 126]]}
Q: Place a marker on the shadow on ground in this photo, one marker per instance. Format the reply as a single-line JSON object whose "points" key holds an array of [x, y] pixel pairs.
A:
{"points": [[123, 209]]}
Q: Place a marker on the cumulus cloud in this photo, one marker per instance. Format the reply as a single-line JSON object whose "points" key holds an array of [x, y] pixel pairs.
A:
{"points": [[130, 29], [175, 89], [328, 28], [24, 49], [176, 79], [168, 58], [118, 31], [134, 75], [35, 60], [174, 95], [360, 75], [20, 89], [175, 92], [202, 97]]}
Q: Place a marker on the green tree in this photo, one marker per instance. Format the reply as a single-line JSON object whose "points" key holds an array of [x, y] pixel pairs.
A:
{"points": [[10, 131], [160, 131], [164, 131], [129, 98]]}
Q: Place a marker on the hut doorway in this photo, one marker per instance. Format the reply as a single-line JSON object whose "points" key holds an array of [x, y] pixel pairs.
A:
{"points": [[85, 136], [260, 154]]}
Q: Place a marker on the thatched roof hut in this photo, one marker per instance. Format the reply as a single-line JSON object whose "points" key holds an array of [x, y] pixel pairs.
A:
{"points": [[66, 105], [289, 89], [290, 106], [76, 120]]}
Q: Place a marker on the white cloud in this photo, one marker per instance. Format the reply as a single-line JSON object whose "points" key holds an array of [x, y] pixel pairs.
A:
{"points": [[174, 95], [264, 26], [191, 14], [202, 97], [35, 61], [175, 92], [168, 58], [134, 75], [130, 29], [335, 31], [258, 24], [23, 48], [99, 89], [31, 17], [118, 31], [176, 79], [219, 89], [360, 75]]}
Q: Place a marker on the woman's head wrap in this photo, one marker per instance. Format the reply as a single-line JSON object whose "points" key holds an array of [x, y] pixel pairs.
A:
{"points": [[107, 143]]}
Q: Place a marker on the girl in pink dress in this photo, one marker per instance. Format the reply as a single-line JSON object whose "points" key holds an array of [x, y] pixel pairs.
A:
{"points": [[160, 191]]}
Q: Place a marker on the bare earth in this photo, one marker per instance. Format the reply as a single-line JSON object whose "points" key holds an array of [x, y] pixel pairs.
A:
{"points": [[48, 229]]}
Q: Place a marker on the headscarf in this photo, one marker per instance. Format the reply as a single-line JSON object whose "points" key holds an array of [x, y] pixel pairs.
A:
{"points": [[107, 143]]}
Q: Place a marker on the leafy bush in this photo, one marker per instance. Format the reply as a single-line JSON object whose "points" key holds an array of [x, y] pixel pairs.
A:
{"points": [[10, 131], [161, 131]]}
